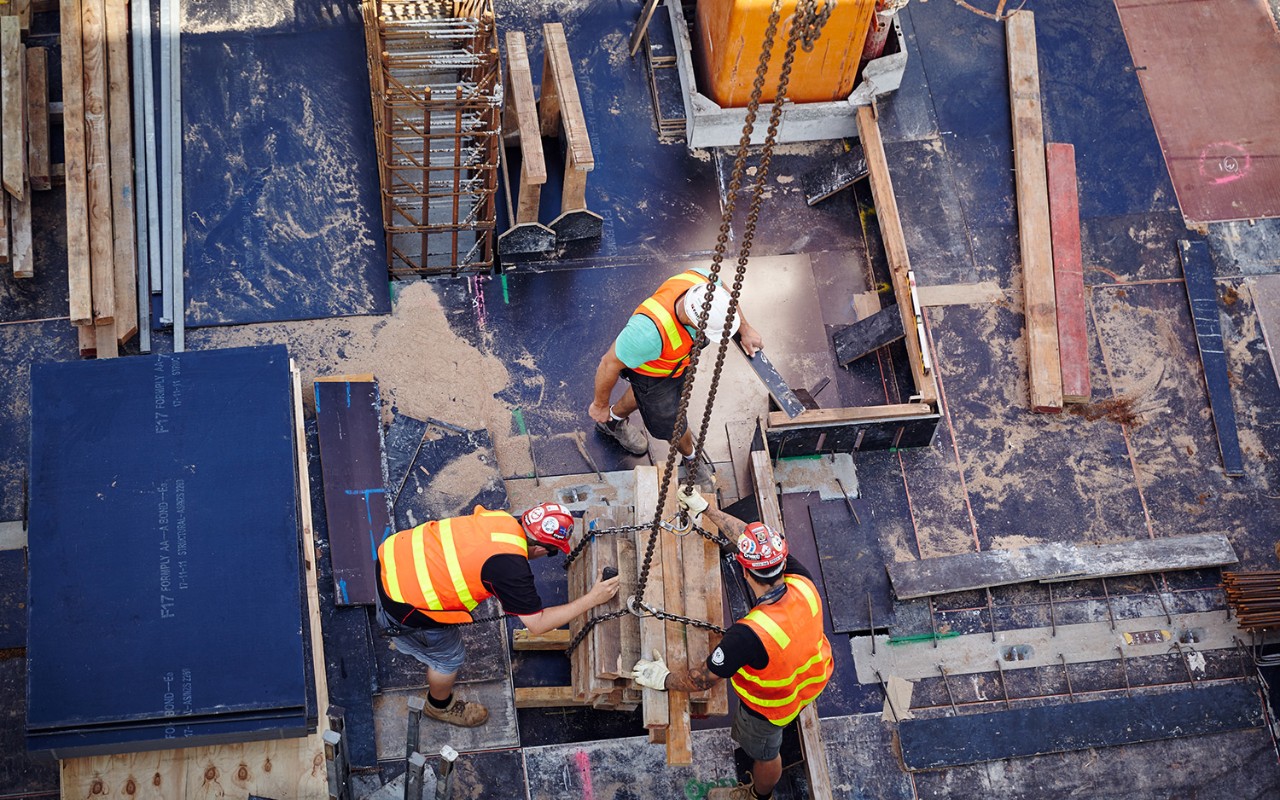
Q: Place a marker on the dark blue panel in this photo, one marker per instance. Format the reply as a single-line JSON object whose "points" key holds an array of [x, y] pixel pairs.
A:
{"points": [[1202, 293], [280, 182], [932, 214], [164, 554], [421, 499], [19, 771], [974, 738], [907, 114], [20, 346], [79, 743]]}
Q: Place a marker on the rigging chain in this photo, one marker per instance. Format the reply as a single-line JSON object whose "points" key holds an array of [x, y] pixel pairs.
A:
{"points": [[805, 28]]}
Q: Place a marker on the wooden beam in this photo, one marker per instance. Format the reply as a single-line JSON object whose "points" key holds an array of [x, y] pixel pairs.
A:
{"points": [[895, 246], [12, 62], [1068, 271], [5, 234], [98, 162], [546, 697], [120, 133], [960, 294], [21, 254], [842, 416], [679, 741], [642, 26], [310, 553], [79, 291], [656, 713], [558, 71], [38, 119], [1044, 369], [520, 119], [557, 639]]}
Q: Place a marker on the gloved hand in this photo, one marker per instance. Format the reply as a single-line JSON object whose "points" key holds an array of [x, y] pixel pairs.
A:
{"points": [[651, 674], [691, 501]]}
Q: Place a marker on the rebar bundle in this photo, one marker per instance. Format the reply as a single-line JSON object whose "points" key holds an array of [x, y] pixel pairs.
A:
{"points": [[1254, 597], [436, 88]]}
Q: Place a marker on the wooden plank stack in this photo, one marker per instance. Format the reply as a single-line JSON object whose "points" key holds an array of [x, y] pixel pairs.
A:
{"points": [[684, 578], [98, 141], [24, 146]]}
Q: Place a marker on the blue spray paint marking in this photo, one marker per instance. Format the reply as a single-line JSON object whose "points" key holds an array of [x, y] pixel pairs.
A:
{"points": [[348, 395], [342, 587], [368, 515], [317, 388]]}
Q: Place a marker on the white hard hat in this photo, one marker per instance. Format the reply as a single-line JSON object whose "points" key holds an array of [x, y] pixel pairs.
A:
{"points": [[693, 299]]}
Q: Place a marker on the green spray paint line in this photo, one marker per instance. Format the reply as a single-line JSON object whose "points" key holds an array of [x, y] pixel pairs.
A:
{"points": [[519, 417], [810, 457], [506, 296], [921, 637]]}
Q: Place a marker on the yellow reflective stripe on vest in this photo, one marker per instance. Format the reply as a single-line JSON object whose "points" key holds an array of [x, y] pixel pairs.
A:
{"points": [[392, 583], [803, 589], [459, 580], [510, 538], [670, 325], [772, 628], [788, 700], [766, 684], [420, 569]]}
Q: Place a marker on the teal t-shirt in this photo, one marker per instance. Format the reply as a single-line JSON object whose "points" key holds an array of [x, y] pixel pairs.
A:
{"points": [[639, 341]]}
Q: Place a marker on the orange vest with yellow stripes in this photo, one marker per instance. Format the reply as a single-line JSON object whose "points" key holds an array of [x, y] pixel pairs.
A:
{"points": [[676, 341], [435, 567], [799, 654]]}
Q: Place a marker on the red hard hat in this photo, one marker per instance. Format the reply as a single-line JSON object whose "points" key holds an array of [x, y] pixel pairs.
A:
{"points": [[550, 524], [761, 548]]}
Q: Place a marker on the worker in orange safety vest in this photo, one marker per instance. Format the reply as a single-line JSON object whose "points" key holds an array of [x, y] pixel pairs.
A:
{"points": [[776, 658], [431, 577], [651, 354]]}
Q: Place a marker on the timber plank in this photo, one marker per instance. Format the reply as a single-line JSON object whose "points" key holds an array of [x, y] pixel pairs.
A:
{"points": [[994, 736], [717, 696], [606, 636], [5, 234], [895, 246], [20, 247], [679, 741], [120, 144], [12, 62], [1068, 271], [98, 162], [38, 172], [348, 415], [522, 639], [1045, 371], [1197, 270], [79, 285], [1057, 561], [557, 71], [867, 335], [656, 712]]}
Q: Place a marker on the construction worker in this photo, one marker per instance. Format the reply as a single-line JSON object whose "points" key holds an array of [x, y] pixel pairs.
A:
{"points": [[651, 353], [777, 657], [432, 576]]}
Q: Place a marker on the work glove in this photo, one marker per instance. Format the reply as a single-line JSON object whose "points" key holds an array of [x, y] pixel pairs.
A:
{"points": [[651, 674], [690, 500]]}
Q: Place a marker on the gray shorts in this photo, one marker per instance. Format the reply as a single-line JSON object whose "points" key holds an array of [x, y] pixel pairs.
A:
{"points": [[759, 738], [438, 648]]}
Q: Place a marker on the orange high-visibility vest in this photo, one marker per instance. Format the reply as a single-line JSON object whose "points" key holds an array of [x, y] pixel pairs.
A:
{"points": [[435, 567], [676, 341], [799, 654]]}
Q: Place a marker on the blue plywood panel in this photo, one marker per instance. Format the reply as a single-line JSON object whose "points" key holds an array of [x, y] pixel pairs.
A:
{"points": [[164, 556], [13, 599], [280, 180]]}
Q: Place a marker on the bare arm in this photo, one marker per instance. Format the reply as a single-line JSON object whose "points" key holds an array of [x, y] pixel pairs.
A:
{"points": [[606, 377], [549, 619], [729, 525], [748, 335], [694, 679]]}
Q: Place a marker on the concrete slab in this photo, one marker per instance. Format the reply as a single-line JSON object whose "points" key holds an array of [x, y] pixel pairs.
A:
{"points": [[824, 475], [1039, 647], [390, 718]]}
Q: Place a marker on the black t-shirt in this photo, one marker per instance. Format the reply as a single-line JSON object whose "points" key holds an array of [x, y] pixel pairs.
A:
{"points": [[741, 647], [506, 575]]}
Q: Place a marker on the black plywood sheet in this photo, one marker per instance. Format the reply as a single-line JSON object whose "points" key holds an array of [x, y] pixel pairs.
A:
{"points": [[13, 599], [349, 415], [402, 441], [853, 567], [994, 736], [868, 334], [450, 475], [1197, 269], [19, 771], [184, 593], [837, 174]]}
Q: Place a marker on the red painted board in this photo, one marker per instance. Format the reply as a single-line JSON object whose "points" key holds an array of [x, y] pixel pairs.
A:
{"points": [[1210, 72], [1068, 271]]}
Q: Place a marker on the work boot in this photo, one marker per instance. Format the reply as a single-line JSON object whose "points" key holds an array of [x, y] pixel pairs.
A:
{"points": [[459, 712], [632, 439], [703, 473], [740, 792]]}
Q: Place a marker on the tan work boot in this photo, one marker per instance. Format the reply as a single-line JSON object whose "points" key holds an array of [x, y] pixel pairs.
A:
{"points": [[459, 712], [632, 439], [740, 792]]}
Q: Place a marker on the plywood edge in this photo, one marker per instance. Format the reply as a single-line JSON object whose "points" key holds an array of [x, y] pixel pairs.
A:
{"points": [[842, 416]]}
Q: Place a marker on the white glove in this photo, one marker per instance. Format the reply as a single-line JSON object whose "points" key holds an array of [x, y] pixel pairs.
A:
{"points": [[651, 674], [691, 500]]}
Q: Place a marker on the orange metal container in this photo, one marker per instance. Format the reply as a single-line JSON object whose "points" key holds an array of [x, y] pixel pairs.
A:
{"points": [[730, 36]]}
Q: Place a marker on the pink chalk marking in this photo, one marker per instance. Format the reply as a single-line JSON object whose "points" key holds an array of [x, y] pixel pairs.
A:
{"points": [[584, 773], [1236, 165]]}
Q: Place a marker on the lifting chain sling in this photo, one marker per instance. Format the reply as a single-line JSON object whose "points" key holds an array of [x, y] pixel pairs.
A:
{"points": [[806, 26]]}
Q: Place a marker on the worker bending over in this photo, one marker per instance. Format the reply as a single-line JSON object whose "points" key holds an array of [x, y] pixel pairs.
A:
{"points": [[432, 576], [651, 354], [777, 657]]}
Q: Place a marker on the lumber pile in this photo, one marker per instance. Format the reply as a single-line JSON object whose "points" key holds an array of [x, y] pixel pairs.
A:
{"points": [[24, 145], [98, 142], [683, 579]]}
